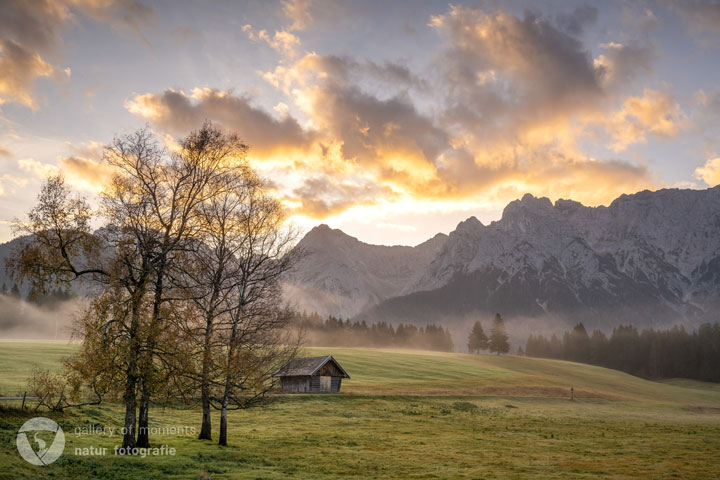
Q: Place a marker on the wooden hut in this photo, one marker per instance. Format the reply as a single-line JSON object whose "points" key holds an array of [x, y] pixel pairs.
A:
{"points": [[312, 375]]}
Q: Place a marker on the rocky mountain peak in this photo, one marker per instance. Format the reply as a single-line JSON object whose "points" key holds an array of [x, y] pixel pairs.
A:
{"points": [[653, 254]]}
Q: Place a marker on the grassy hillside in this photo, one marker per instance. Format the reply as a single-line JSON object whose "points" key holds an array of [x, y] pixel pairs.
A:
{"points": [[412, 372], [407, 414]]}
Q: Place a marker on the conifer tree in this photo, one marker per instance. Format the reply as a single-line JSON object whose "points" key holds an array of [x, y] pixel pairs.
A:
{"points": [[477, 340], [498, 336]]}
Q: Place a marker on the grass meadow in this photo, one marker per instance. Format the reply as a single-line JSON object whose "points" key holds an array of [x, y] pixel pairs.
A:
{"points": [[404, 414]]}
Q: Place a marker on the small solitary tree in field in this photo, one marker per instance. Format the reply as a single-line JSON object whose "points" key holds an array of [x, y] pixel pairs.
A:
{"points": [[498, 336], [477, 340]]}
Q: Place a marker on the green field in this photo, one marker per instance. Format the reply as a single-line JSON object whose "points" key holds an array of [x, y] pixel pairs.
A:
{"points": [[409, 414]]}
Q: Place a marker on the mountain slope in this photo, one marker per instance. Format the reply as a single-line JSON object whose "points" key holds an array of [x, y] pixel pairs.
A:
{"points": [[649, 258], [340, 275], [652, 257]]}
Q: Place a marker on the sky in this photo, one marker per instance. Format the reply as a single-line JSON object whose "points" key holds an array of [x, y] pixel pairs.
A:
{"points": [[392, 121]]}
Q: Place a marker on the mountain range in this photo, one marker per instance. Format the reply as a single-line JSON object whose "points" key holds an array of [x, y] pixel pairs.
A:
{"points": [[649, 258]]}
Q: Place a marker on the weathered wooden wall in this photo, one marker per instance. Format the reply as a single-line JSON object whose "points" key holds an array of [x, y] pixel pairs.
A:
{"points": [[295, 384], [314, 384], [330, 370]]}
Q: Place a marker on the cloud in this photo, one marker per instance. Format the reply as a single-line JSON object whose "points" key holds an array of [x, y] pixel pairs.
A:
{"points": [[501, 113], [31, 36], [509, 79], [19, 68], [322, 196], [373, 130], [86, 172], [655, 113], [710, 172], [575, 23], [414, 157], [37, 26], [119, 14], [298, 12], [282, 41], [620, 64], [503, 71], [5, 152], [185, 34], [708, 105], [38, 169], [703, 16], [13, 179], [179, 113]]}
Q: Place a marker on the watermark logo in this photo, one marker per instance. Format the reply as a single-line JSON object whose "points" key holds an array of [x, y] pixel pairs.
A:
{"points": [[28, 436]]}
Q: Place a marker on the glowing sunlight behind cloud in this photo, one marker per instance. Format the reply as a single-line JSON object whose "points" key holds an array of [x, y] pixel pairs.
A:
{"points": [[469, 109]]}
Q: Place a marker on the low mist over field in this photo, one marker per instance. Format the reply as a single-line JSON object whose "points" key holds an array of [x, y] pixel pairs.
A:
{"points": [[22, 320]]}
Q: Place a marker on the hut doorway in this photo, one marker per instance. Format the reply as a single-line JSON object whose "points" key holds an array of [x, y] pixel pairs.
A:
{"points": [[325, 383]]}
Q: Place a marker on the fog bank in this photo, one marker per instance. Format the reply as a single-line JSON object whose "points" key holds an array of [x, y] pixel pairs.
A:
{"points": [[23, 320]]}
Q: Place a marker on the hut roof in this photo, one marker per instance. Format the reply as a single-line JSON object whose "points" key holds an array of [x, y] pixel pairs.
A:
{"points": [[307, 366]]}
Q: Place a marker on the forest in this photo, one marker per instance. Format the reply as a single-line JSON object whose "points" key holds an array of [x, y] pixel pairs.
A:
{"points": [[337, 332], [649, 353]]}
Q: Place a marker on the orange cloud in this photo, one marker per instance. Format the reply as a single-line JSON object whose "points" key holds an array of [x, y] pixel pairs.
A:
{"points": [[282, 41], [85, 173], [18, 70], [31, 33], [710, 172], [655, 113], [511, 100], [298, 12], [179, 113], [93, 175]]}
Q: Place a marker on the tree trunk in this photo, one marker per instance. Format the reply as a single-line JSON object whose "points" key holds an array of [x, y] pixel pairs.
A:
{"points": [[131, 378], [206, 428], [143, 436], [130, 414], [228, 387], [223, 426]]}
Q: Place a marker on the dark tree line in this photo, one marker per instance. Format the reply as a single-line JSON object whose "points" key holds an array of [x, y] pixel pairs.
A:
{"points": [[650, 353], [49, 298], [337, 332]]}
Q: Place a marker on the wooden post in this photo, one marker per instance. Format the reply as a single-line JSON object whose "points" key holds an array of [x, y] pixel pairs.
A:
{"points": [[23, 404], [572, 393]]}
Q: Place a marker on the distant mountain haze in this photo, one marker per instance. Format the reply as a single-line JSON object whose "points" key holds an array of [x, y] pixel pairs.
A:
{"points": [[651, 258], [340, 275]]}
